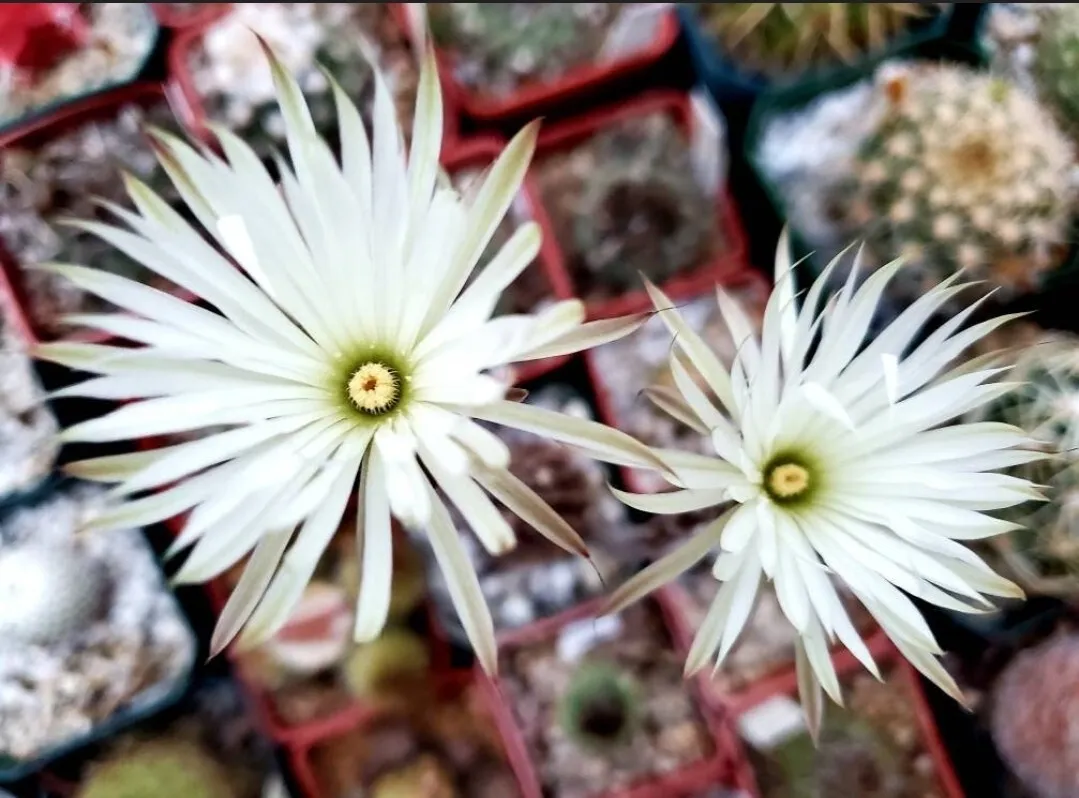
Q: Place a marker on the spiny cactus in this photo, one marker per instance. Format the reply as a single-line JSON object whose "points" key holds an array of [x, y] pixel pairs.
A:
{"points": [[777, 39], [628, 202], [964, 171], [1045, 404], [1056, 63], [397, 659], [49, 592], [165, 768], [1034, 718], [501, 45], [851, 759], [599, 709]]}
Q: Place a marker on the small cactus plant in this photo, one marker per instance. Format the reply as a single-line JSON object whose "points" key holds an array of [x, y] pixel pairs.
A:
{"points": [[425, 777], [49, 592], [1055, 66], [628, 202], [1045, 404], [965, 171], [1034, 719], [398, 659], [599, 709], [499, 46], [780, 39], [164, 768]]}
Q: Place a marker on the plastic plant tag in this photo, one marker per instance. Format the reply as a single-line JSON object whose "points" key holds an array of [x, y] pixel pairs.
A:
{"points": [[772, 722], [578, 638], [708, 149], [634, 30]]}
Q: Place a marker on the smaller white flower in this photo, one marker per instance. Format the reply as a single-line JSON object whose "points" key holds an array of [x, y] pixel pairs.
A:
{"points": [[838, 467]]}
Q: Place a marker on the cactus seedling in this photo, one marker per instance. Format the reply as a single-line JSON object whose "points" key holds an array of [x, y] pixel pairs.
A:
{"points": [[49, 592], [397, 659], [599, 708], [160, 768], [778, 39], [1045, 404], [964, 171], [1056, 63], [502, 45], [627, 202], [1034, 721]]}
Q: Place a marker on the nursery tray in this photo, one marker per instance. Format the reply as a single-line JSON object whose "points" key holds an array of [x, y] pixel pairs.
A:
{"points": [[62, 106], [696, 776], [44, 128], [188, 96], [480, 152], [789, 99], [533, 98], [152, 700], [730, 261], [885, 655], [728, 82]]}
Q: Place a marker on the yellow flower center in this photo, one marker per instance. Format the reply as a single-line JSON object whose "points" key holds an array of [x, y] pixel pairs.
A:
{"points": [[788, 481], [374, 388]]}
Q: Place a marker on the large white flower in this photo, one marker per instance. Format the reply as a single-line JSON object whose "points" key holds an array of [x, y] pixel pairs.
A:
{"points": [[834, 456], [350, 344]]}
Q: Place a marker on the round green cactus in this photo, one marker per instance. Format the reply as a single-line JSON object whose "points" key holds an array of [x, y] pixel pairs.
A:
{"points": [[600, 709], [397, 657], [159, 768], [965, 171], [1056, 63], [1045, 404], [778, 39]]}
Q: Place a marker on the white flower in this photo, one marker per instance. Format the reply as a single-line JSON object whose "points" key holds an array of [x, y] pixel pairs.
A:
{"points": [[839, 468], [349, 344]]}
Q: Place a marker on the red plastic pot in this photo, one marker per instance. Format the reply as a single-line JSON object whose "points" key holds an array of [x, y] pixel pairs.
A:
{"points": [[886, 656], [747, 279], [479, 153], [34, 36], [39, 130], [537, 97], [688, 781], [170, 17], [731, 261], [179, 57]]}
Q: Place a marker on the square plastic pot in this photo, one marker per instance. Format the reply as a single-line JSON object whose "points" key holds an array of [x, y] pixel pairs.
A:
{"points": [[479, 153], [63, 105], [728, 82], [579, 83], [152, 700], [188, 96], [747, 279], [885, 655], [42, 129], [724, 766], [568, 134]]}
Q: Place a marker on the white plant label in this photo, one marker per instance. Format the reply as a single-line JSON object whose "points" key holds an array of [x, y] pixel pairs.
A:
{"points": [[578, 638], [708, 148], [634, 30], [772, 722]]}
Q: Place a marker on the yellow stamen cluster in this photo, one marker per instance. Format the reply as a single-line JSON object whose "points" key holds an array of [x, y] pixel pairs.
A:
{"points": [[374, 388], [788, 481]]}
